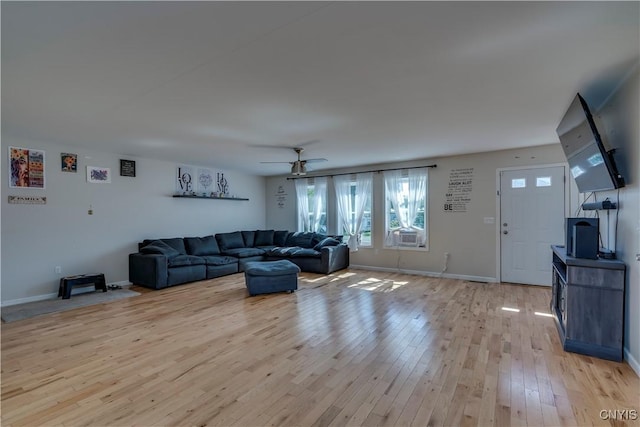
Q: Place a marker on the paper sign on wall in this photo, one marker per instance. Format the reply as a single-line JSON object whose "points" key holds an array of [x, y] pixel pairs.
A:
{"points": [[458, 194]]}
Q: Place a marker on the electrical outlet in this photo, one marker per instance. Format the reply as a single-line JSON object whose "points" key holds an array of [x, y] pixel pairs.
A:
{"points": [[58, 269]]}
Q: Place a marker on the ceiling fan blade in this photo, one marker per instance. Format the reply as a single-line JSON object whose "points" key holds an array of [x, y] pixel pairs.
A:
{"points": [[276, 162], [307, 143], [315, 160], [286, 147]]}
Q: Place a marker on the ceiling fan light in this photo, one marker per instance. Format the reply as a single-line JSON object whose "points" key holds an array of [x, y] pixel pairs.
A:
{"points": [[298, 169]]}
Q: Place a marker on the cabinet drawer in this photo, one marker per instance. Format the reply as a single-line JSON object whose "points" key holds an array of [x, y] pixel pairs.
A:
{"points": [[596, 277]]}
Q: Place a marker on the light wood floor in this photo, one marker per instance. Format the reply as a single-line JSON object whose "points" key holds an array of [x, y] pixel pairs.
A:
{"points": [[352, 348]]}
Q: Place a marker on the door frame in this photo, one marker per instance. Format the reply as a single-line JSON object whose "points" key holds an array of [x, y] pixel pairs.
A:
{"points": [[567, 204]]}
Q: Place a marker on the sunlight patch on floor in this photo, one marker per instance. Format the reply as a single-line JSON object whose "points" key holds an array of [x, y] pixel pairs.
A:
{"points": [[539, 313], [378, 285]]}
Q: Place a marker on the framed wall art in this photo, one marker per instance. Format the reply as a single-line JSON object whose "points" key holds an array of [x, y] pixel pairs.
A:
{"points": [[26, 168], [98, 175], [185, 180], [127, 168], [205, 181], [68, 162]]}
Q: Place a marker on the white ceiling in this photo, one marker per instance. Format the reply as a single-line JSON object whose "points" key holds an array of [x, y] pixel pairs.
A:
{"points": [[369, 82]]}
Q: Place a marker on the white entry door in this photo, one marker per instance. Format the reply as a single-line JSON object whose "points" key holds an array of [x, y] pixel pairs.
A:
{"points": [[532, 216]]}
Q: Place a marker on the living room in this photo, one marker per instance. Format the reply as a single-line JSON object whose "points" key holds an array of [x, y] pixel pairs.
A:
{"points": [[86, 227]]}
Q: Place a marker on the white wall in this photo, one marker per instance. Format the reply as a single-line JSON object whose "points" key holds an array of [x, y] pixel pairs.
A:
{"points": [[470, 242], [37, 238], [621, 128]]}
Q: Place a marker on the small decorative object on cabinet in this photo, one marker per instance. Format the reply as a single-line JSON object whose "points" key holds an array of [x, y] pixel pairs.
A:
{"points": [[587, 302]]}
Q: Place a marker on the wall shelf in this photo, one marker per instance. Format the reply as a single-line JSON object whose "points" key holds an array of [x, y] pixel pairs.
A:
{"points": [[182, 196]]}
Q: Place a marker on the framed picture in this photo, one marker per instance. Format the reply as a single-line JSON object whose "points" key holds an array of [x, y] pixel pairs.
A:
{"points": [[26, 168], [185, 182], [205, 181], [68, 162], [97, 175], [127, 168]]}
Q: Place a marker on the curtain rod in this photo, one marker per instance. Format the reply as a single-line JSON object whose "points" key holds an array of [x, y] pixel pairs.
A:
{"points": [[354, 173]]}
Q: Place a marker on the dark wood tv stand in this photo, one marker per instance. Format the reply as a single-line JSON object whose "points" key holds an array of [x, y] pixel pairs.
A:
{"points": [[588, 304]]}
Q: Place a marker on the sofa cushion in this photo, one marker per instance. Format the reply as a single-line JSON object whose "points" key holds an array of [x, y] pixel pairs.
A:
{"points": [[282, 251], [228, 241], [161, 248], [305, 253], [280, 237], [185, 260], [249, 238], [207, 245], [271, 268], [302, 239], [244, 252], [219, 260], [176, 243], [328, 241], [264, 237]]}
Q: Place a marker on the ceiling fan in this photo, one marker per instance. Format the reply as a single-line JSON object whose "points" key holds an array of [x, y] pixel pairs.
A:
{"points": [[298, 167]]}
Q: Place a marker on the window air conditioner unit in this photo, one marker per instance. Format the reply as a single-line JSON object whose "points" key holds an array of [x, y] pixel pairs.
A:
{"points": [[408, 238]]}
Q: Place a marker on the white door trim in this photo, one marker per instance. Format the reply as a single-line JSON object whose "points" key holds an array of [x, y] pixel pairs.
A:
{"points": [[567, 204]]}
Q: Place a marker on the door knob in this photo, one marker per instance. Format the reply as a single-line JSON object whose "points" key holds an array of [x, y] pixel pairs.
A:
{"points": [[505, 232]]}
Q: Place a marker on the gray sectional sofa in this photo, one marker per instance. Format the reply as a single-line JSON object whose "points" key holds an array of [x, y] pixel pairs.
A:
{"points": [[160, 263]]}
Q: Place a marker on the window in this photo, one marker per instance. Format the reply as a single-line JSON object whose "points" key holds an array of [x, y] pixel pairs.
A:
{"points": [[543, 181], [518, 183], [406, 208], [353, 201], [312, 204]]}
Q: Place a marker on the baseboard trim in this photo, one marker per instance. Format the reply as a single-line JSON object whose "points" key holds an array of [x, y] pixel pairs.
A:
{"points": [[426, 273], [123, 283], [28, 299], [632, 361]]}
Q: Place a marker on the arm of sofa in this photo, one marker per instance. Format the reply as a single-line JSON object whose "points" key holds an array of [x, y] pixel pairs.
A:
{"points": [[334, 258], [148, 270]]}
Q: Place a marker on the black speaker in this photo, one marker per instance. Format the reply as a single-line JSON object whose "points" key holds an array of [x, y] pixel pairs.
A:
{"points": [[570, 243], [585, 241]]}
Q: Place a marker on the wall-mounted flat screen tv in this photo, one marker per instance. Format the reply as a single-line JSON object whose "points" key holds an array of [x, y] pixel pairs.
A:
{"points": [[592, 166]]}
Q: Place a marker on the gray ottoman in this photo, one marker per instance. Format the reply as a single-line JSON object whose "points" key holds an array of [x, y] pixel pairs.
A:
{"points": [[271, 276]]}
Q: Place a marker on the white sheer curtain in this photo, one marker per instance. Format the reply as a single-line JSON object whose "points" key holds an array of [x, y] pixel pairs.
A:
{"points": [[351, 215], [318, 202], [407, 200], [393, 182], [302, 195], [417, 194]]}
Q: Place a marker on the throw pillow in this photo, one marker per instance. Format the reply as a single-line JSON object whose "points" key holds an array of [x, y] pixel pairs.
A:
{"points": [[301, 238], [264, 238], [230, 240], [161, 248], [202, 245], [249, 238], [280, 237], [329, 241]]}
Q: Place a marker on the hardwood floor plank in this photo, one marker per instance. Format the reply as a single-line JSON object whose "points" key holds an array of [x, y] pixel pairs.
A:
{"points": [[352, 348]]}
